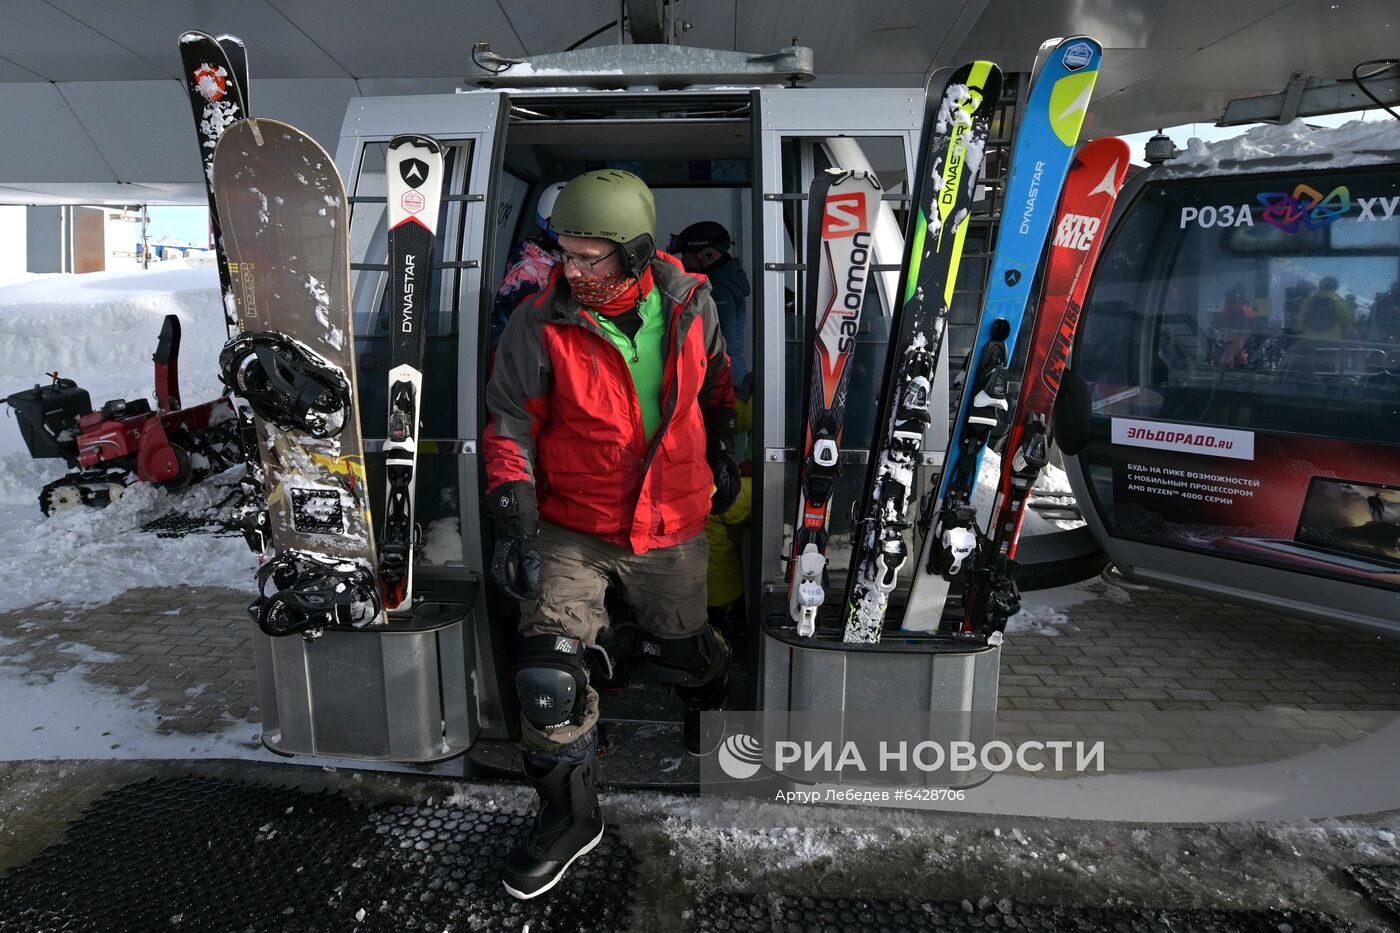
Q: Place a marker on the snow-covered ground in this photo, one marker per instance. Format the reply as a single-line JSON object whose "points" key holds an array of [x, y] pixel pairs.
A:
{"points": [[101, 329]]}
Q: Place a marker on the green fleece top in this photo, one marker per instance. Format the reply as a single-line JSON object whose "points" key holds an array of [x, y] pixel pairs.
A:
{"points": [[645, 356]]}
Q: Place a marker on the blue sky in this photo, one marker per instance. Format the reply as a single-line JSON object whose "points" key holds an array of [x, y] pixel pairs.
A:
{"points": [[190, 224]]}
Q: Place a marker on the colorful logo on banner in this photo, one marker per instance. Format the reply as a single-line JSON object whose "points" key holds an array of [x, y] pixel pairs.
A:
{"points": [[1305, 208]]}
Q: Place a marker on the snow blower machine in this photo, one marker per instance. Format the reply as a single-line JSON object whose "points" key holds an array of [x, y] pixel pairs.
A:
{"points": [[125, 442]]}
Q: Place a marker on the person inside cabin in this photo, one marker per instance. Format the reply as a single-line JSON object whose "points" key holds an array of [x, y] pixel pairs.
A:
{"points": [[1326, 315], [1383, 324], [610, 441], [724, 599], [1294, 299], [704, 247], [530, 267], [1236, 324]]}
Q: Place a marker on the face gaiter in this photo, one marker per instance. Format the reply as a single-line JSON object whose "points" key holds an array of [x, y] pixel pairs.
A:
{"points": [[613, 293], [601, 290]]}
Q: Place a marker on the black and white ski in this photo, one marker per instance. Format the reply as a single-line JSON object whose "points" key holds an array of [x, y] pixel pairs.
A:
{"points": [[957, 118], [842, 210], [218, 99], [237, 54], [414, 171], [216, 78]]}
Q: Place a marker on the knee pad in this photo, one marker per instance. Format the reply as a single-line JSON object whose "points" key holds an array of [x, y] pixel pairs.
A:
{"points": [[687, 662], [551, 681]]}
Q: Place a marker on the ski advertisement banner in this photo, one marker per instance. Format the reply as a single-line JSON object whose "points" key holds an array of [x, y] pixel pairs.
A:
{"points": [[1319, 505]]}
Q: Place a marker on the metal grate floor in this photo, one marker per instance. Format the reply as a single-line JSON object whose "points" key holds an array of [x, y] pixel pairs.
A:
{"points": [[206, 855]]}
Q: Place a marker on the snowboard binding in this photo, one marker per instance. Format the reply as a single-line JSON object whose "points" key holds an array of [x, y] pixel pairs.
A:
{"points": [[286, 384], [302, 593]]}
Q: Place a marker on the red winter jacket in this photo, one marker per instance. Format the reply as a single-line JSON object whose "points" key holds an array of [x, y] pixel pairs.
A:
{"points": [[563, 414]]}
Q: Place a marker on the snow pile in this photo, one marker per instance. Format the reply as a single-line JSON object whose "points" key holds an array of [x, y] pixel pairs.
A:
{"points": [[1052, 481], [1354, 143], [1045, 612], [88, 556], [100, 329]]}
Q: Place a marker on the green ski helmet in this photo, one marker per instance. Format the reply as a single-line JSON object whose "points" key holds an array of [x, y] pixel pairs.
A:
{"points": [[610, 204]]}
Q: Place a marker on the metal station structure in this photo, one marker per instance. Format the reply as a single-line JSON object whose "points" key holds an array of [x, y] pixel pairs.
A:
{"points": [[736, 138]]}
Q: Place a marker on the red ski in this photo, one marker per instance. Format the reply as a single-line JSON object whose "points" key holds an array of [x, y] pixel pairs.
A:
{"points": [[1091, 190]]}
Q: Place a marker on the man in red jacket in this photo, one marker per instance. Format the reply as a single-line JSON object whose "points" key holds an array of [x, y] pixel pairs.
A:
{"points": [[609, 442]]}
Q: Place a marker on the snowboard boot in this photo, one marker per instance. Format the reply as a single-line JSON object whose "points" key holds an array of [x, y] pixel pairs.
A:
{"points": [[705, 697], [569, 825], [731, 620]]}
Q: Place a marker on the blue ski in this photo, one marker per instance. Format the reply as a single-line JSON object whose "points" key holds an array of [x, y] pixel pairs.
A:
{"points": [[1045, 144]]}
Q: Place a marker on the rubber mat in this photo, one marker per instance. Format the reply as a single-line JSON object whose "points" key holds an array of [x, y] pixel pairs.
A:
{"points": [[776, 914], [202, 855], [1381, 884]]}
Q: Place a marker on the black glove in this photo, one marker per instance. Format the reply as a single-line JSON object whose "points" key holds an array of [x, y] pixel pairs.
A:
{"points": [[723, 456], [515, 565]]}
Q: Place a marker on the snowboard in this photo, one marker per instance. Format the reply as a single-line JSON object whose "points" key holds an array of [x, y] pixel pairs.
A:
{"points": [[842, 209], [1091, 190], [1054, 114], [285, 232], [414, 171], [957, 118]]}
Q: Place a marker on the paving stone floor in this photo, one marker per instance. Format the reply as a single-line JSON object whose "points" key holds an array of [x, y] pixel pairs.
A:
{"points": [[1167, 680]]}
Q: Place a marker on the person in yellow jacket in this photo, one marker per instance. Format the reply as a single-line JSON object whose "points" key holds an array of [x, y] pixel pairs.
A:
{"points": [[1326, 315], [724, 596]]}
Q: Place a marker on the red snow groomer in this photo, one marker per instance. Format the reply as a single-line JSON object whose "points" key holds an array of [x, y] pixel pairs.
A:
{"points": [[125, 441]]}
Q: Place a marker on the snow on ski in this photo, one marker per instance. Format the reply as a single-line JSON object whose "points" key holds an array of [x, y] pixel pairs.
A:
{"points": [[1091, 190], [414, 172], [957, 118], [1045, 142], [237, 54], [218, 98], [842, 209]]}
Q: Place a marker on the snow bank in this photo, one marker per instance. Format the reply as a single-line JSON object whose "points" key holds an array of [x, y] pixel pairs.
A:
{"points": [[101, 328], [88, 557], [1356, 143]]}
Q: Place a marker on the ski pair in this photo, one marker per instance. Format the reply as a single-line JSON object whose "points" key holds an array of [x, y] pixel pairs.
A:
{"points": [[957, 118], [216, 80], [1059, 99], [285, 229], [1090, 193], [842, 208]]}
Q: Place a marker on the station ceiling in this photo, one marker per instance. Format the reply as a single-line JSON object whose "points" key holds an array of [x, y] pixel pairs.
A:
{"points": [[92, 105]]}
